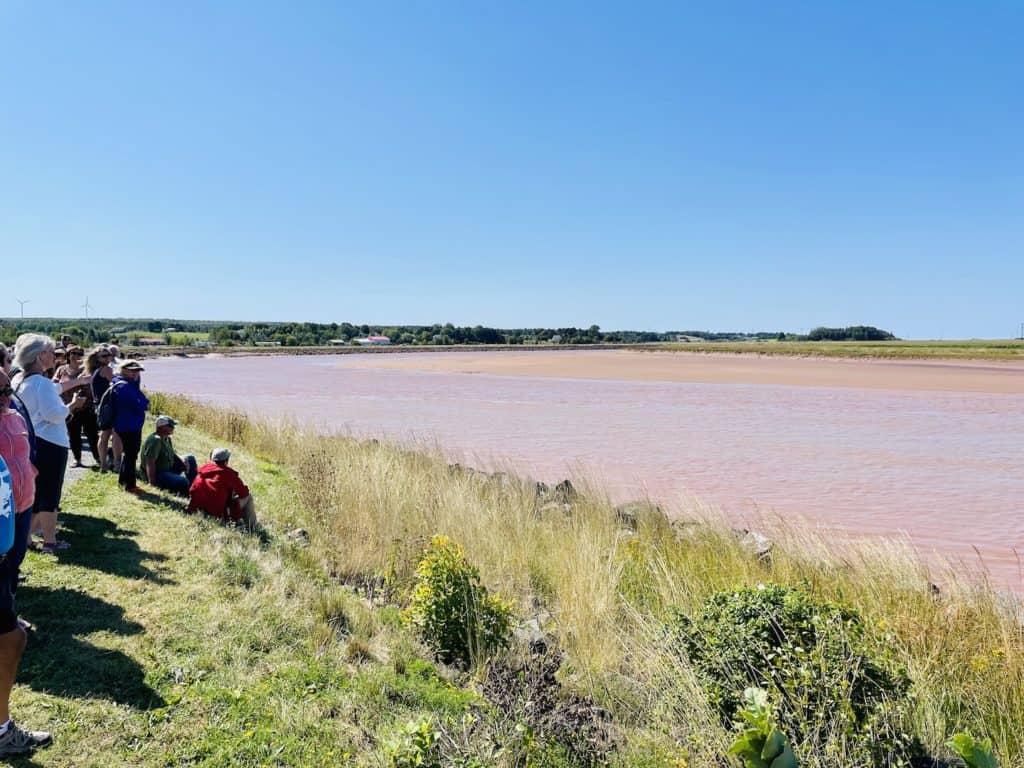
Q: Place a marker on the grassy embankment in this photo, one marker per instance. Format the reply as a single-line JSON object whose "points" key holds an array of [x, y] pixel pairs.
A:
{"points": [[174, 641], [975, 349]]}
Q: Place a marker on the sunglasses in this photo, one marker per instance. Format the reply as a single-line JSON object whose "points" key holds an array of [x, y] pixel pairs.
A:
{"points": [[6, 391]]}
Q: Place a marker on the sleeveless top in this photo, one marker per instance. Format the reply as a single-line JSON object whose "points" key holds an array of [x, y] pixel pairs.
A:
{"points": [[99, 385]]}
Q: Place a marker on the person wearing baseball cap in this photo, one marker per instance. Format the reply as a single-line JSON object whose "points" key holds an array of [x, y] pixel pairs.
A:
{"points": [[218, 491], [160, 465], [130, 406]]}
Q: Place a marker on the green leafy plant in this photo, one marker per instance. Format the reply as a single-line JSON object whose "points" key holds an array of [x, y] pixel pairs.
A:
{"points": [[977, 754], [836, 693], [452, 611], [761, 744], [416, 747]]}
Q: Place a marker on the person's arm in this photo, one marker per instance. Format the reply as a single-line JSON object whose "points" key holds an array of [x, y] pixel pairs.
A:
{"points": [[148, 455], [67, 382], [240, 489]]}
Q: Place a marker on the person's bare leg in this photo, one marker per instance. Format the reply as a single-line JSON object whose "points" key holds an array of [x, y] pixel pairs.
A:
{"points": [[14, 740], [47, 522], [11, 646], [103, 446], [118, 449]]}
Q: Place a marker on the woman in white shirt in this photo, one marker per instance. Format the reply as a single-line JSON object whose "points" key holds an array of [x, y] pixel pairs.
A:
{"points": [[33, 353]]}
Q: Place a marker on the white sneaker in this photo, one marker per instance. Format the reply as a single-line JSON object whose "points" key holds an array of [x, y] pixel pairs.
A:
{"points": [[18, 741]]}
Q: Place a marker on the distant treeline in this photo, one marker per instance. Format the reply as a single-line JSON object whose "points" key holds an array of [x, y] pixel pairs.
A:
{"points": [[226, 333], [851, 333]]}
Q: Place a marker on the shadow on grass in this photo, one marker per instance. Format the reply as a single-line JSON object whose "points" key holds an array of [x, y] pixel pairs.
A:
{"points": [[58, 662], [22, 761], [102, 545], [165, 499]]}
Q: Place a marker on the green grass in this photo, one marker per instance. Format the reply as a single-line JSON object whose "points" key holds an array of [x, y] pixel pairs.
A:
{"points": [[165, 639], [181, 338], [177, 338], [975, 349]]}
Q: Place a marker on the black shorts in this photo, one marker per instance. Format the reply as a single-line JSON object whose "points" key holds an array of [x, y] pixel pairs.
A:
{"points": [[8, 616], [52, 462]]}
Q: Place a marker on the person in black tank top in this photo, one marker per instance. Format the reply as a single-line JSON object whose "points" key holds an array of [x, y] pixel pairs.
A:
{"points": [[98, 366]]}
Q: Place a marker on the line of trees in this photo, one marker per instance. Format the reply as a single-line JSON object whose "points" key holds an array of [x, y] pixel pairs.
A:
{"points": [[850, 333], [222, 333]]}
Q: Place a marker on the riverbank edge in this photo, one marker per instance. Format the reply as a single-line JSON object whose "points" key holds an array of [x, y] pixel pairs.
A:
{"points": [[884, 581], [996, 351]]}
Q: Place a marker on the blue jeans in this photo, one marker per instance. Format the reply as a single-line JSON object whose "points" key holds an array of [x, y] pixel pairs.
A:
{"points": [[179, 481], [22, 524]]}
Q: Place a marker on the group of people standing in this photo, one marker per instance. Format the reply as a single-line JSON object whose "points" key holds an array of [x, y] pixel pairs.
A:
{"points": [[50, 396]]}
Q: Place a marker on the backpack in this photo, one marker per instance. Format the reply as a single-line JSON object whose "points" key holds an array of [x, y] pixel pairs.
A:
{"points": [[106, 410], [6, 510]]}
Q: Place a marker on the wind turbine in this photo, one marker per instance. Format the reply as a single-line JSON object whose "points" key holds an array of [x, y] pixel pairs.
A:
{"points": [[23, 302], [86, 307]]}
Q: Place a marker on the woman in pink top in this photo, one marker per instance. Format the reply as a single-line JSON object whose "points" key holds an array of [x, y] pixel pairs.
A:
{"points": [[15, 449]]}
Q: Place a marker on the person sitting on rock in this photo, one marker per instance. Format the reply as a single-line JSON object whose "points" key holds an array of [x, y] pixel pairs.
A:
{"points": [[218, 491], [161, 466]]}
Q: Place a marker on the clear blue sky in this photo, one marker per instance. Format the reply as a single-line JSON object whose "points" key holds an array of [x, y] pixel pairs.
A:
{"points": [[718, 165]]}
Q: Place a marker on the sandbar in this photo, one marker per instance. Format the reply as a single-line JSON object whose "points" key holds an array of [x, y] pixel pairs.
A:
{"points": [[711, 368]]}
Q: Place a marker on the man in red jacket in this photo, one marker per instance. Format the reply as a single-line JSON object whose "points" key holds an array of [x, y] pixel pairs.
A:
{"points": [[219, 492]]}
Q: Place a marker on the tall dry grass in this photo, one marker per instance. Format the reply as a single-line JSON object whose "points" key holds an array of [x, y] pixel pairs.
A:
{"points": [[370, 507]]}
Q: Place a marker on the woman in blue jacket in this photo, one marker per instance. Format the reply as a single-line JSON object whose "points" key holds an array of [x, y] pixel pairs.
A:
{"points": [[130, 406]]}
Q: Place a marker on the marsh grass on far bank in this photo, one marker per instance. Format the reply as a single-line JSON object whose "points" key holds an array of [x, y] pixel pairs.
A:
{"points": [[973, 349], [606, 589]]}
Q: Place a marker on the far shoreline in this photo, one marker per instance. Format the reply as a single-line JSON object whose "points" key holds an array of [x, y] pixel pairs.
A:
{"points": [[968, 351]]}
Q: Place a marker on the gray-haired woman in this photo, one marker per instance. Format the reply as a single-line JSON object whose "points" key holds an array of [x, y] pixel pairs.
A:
{"points": [[33, 354]]}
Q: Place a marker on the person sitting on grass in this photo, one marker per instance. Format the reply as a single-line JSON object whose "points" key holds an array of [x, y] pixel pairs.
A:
{"points": [[161, 465], [218, 491], [14, 740]]}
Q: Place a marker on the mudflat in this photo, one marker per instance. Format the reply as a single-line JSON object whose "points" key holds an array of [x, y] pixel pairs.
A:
{"points": [[711, 368]]}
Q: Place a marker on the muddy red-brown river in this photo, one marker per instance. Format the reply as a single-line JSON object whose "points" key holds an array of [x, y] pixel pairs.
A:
{"points": [[932, 451]]}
